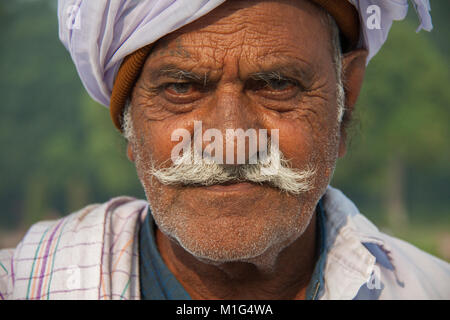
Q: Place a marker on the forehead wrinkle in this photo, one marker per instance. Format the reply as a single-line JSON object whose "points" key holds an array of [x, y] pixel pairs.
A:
{"points": [[256, 18], [250, 45], [219, 48], [177, 68], [234, 16], [261, 17], [285, 65]]}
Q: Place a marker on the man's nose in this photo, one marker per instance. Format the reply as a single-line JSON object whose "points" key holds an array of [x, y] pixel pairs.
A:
{"points": [[231, 115]]}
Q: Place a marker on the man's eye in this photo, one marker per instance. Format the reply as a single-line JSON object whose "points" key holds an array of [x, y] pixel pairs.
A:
{"points": [[274, 88], [279, 84], [180, 87]]}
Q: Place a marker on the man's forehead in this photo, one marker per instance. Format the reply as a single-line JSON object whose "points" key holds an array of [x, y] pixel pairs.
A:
{"points": [[248, 29], [238, 12], [255, 18]]}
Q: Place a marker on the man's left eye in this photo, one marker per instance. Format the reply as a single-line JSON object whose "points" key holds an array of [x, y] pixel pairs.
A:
{"points": [[180, 88], [273, 86], [276, 89], [279, 84]]}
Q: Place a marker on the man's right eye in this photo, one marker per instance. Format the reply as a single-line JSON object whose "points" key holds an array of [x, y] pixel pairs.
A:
{"points": [[179, 88], [182, 92]]}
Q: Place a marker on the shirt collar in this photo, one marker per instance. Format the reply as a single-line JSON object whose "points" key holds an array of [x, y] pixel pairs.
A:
{"points": [[350, 236], [317, 280], [156, 280]]}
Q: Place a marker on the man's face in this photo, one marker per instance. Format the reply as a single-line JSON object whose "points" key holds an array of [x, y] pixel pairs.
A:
{"points": [[210, 71]]}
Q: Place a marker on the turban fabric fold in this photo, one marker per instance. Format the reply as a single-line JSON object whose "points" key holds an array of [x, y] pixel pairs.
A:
{"points": [[109, 40]]}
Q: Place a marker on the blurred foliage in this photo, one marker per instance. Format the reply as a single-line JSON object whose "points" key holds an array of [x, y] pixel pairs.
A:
{"points": [[61, 152]]}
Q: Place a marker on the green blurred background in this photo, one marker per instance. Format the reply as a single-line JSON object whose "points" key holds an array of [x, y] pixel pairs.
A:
{"points": [[61, 152]]}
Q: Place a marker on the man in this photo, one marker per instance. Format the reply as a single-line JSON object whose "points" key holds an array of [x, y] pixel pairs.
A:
{"points": [[185, 82]]}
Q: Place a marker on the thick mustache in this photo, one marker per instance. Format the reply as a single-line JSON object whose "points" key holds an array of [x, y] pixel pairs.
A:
{"points": [[273, 170]]}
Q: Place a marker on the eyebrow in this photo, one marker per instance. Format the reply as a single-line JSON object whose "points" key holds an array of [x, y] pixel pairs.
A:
{"points": [[268, 75], [179, 74], [286, 72], [290, 71]]}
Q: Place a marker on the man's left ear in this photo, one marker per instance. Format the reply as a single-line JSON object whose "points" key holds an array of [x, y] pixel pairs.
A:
{"points": [[353, 68]]}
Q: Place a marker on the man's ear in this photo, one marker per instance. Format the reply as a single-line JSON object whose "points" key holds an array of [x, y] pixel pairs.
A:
{"points": [[353, 68], [130, 153]]}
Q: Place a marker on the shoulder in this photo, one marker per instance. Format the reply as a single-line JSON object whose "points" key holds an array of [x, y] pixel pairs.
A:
{"points": [[51, 249], [401, 270], [82, 228], [414, 273]]}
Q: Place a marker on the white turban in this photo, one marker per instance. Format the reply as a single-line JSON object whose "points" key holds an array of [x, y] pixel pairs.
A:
{"points": [[99, 34]]}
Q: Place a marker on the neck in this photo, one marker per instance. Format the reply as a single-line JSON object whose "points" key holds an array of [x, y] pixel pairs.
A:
{"points": [[286, 276]]}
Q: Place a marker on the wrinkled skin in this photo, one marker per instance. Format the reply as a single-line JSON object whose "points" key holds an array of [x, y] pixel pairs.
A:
{"points": [[248, 241]]}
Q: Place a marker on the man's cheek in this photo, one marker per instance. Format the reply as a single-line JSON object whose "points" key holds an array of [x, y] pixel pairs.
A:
{"points": [[297, 146], [162, 137], [153, 146]]}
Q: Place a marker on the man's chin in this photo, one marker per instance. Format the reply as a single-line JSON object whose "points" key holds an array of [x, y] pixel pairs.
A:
{"points": [[213, 250], [230, 238], [216, 226]]}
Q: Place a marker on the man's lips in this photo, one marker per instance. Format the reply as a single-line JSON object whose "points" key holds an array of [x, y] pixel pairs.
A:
{"points": [[230, 187]]}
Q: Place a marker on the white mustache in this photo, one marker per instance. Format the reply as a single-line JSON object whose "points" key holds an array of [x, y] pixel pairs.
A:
{"points": [[273, 170]]}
